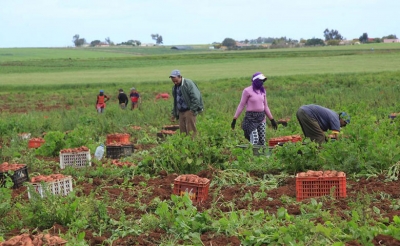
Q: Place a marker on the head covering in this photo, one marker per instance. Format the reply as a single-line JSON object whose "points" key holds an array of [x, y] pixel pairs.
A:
{"points": [[133, 88], [175, 73], [258, 82], [345, 117], [101, 90]]}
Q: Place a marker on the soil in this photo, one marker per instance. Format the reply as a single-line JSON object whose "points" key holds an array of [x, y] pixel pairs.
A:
{"points": [[161, 186]]}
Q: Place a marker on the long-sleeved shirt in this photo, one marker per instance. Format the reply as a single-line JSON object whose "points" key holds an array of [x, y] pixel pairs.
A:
{"points": [[122, 98], [255, 102]]}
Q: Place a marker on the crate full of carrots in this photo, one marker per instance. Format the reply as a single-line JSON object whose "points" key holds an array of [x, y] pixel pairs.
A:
{"points": [[312, 184]]}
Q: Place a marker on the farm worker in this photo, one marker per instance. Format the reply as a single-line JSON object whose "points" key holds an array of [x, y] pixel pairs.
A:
{"points": [[188, 102], [315, 120], [123, 99], [135, 98], [254, 98], [101, 101]]}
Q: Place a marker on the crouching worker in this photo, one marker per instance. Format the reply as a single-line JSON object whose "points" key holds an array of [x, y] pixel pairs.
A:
{"points": [[315, 120]]}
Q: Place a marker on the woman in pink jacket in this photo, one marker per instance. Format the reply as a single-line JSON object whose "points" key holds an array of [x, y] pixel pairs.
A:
{"points": [[254, 98]]}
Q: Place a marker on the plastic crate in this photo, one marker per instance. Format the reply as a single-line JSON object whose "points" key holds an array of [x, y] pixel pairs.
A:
{"points": [[197, 192], [35, 143], [75, 159], [122, 138], [309, 187], [275, 141], [19, 177], [59, 187], [116, 152]]}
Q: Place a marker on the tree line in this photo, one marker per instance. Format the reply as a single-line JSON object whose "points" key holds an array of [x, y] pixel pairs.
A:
{"points": [[331, 37], [78, 41]]}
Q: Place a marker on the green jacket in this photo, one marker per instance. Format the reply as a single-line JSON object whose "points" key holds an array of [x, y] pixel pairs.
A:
{"points": [[191, 95]]}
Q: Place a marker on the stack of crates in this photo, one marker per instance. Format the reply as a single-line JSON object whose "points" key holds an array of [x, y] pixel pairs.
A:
{"points": [[118, 145]]}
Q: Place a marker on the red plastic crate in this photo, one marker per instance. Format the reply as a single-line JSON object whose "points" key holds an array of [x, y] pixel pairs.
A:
{"points": [[197, 192], [293, 138], [122, 138], [309, 187], [35, 142]]}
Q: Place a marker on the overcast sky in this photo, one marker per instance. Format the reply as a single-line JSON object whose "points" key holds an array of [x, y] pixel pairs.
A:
{"points": [[53, 23]]}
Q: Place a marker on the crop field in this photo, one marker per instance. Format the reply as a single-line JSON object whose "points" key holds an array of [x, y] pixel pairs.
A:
{"points": [[251, 199]]}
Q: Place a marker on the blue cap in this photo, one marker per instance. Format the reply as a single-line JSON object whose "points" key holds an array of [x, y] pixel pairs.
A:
{"points": [[101, 90], [345, 117], [175, 73]]}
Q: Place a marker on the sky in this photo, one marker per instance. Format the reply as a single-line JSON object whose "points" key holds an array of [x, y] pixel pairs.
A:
{"points": [[53, 23]]}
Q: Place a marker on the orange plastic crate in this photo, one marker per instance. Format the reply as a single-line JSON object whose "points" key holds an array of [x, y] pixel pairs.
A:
{"points": [[35, 143], [122, 138], [293, 138], [197, 192], [309, 187]]}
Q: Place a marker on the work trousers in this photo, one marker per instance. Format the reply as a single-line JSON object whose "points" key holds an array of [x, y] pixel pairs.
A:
{"points": [[310, 127], [187, 122]]}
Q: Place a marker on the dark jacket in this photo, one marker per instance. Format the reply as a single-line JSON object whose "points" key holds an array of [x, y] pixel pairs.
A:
{"points": [[192, 96], [123, 98]]}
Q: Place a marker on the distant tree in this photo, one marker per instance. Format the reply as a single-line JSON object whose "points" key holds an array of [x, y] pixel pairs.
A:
{"points": [[378, 40], [108, 41], [95, 43], [158, 38], [229, 42], [314, 41], [332, 34], [78, 41], [364, 38], [303, 41], [246, 41], [391, 36], [131, 42]]}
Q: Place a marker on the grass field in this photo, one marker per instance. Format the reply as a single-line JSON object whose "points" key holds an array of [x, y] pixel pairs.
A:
{"points": [[107, 65]]}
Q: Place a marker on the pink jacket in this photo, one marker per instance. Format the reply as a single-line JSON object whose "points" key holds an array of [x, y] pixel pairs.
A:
{"points": [[255, 102]]}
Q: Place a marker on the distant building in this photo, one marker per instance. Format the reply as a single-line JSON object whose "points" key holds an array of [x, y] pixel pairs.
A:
{"points": [[391, 40], [181, 47], [240, 45]]}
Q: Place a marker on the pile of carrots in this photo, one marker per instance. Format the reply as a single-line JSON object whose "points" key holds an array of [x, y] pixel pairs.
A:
{"points": [[191, 178], [167, 132], [326, 173], [47, 178], [75, 150], [37, 140], [5, 167], [34, 240], [122, 163]]}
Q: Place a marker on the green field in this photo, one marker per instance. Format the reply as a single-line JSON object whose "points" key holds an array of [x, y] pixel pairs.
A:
{"points": [[51, 93], [110, 65]]}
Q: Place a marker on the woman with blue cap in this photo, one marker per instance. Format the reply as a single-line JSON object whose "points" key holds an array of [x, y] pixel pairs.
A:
{"points": [[315, 120], [101, 101]]}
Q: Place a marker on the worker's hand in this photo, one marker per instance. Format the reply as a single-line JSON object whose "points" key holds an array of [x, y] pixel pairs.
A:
{"points": [[172, 118], [233, 124], [274, 125]]}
